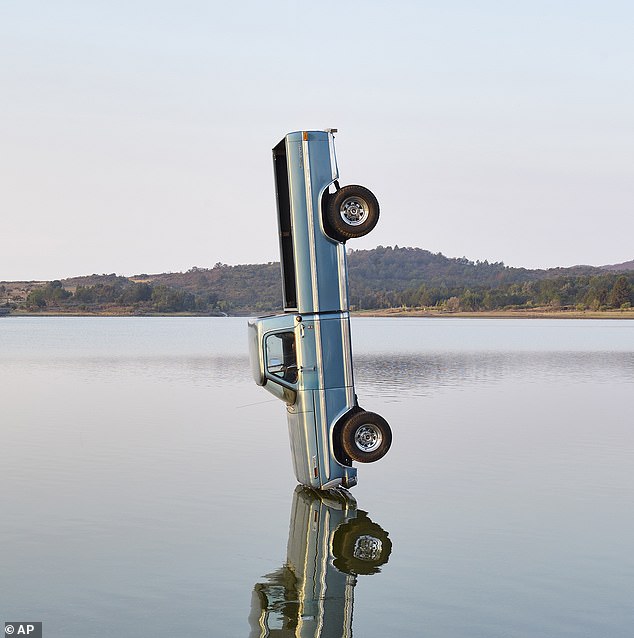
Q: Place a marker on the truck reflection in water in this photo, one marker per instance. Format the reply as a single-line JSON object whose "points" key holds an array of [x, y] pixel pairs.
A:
{"points": [[330, 543]]}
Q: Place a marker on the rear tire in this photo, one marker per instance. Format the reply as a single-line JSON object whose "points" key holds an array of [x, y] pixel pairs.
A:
{"points": [[351, 212], [366, 437]]}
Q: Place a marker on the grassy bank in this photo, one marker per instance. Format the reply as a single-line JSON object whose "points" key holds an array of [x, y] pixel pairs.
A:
{"points": [[533, 313]]}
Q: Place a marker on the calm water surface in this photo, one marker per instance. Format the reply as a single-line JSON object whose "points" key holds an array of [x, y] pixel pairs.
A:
{"points": [[147, 487]]}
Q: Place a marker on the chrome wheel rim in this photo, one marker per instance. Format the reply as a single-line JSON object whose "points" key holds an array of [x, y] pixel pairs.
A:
{"points": [[354, 211], [367, 548], [368, 438]]}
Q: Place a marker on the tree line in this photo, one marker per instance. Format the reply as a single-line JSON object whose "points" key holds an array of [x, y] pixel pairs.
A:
{"points": [[384, 277], [128, 297], [596, 292]]}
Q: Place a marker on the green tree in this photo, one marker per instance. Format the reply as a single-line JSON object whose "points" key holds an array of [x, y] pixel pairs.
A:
{"points": [[53, 294], [85, 295], [470, 300], [36, 299], [136, 293], [621, 292]]}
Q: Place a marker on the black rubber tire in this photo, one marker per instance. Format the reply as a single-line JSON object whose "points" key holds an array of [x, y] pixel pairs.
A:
{"points": [[366, 437], [351, 212], [361, 547]]}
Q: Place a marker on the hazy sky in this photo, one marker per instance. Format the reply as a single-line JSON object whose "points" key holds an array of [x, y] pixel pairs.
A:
{"points": [[135, 135]]}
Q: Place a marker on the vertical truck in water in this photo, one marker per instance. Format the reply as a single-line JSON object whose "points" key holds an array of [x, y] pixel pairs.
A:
{"points": [[304, 356], [330, 544]]}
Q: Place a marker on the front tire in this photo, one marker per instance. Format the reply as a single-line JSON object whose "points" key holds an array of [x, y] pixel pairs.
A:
{"points": [[351, 212], [361, 546], [366, 437]]}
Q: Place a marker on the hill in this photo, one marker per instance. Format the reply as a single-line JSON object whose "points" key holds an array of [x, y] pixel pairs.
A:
{"points": [[384, 277], [626, 265]]}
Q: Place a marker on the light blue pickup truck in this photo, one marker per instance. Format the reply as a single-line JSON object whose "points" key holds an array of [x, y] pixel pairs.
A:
{"points": [[304, 356], [331, 543]]}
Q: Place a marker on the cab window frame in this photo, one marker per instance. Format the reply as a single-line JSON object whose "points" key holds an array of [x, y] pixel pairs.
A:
{"points": [[288, 360]]}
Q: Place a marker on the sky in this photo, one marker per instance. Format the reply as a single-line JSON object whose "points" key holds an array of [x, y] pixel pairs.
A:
{"points": [[136, 136]]}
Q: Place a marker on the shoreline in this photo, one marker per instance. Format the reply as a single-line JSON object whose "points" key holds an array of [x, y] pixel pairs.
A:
{"points": [[537, 313]]}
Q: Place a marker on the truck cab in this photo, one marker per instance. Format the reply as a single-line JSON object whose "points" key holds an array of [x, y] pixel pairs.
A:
{"points": [[304, 355]]}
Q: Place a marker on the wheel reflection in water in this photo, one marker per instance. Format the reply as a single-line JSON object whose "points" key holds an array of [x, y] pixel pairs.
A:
{"points": [[330, 543]]}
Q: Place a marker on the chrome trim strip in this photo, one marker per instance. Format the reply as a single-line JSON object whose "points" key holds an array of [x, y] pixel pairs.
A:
{"points": [[333, 158], [348, 605], [343, 278], [347, 346], [320, 359], [325, 435], [322, 398], [324, 541], [311, 226], [305, 570]]}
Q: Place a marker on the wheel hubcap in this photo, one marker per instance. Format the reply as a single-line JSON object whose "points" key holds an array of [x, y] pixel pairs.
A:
{"points": [[368, 438], [367, 548], [354, 211]]}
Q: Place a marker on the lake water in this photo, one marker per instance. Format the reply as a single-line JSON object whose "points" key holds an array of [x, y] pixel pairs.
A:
{"points": [[147, 486]]}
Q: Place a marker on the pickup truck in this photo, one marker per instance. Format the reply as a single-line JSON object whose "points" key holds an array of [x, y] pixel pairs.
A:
{"points": [[304, 355], [331, 542]]}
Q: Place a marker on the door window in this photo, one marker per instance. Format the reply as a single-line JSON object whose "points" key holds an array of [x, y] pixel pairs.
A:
{"points": [[281, 358]]}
